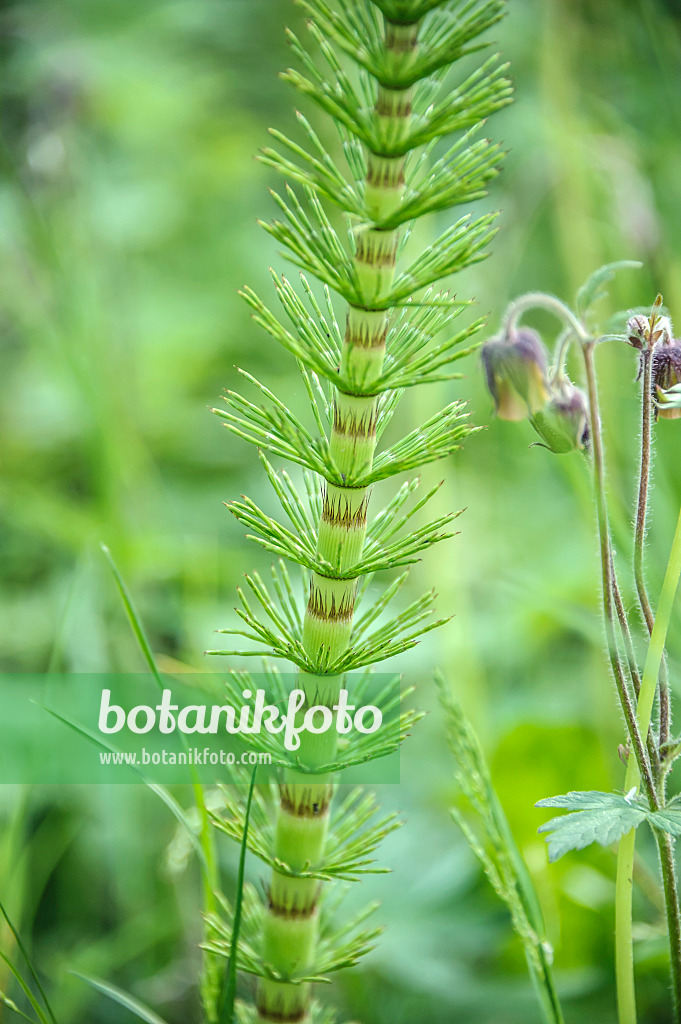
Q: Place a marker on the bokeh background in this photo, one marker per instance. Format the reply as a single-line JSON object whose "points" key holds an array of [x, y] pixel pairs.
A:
{"points": [[128, 202]]}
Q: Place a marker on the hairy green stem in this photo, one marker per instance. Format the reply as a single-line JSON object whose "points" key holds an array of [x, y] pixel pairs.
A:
{"points": [[645, 767], [624, 959], [611, 590], [626, 634], [641, 758], [640, 532], [538, 300], [644, 714], [638, 769], [560, 355], [642, 502], [634, 673], [665, 844], [575, 328]]}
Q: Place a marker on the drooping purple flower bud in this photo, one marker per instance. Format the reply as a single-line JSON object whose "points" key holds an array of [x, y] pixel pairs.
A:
{"points": [[563, 424], [516, 368]]}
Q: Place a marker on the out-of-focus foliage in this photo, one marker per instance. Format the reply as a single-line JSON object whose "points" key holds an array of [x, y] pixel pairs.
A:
{"points": [[128, 198]]}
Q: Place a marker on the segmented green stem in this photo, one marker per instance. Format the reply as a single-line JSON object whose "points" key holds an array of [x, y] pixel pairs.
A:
{"points": [[291, 920]]}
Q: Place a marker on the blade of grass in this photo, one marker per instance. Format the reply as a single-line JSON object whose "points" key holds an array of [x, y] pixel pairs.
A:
{"points": [[155, 787], [498, 852], [210, 872], [122, 998], [11, 1005], [24, 953], [135, 621], [229, 991], [40, 1013]]}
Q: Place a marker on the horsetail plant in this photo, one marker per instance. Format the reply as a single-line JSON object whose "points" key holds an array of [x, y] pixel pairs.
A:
{"points": [[378, 68], [568, 420]]}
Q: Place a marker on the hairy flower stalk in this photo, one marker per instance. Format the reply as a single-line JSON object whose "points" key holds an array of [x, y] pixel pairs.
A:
{"points": [[606, 817], [385, 64]]}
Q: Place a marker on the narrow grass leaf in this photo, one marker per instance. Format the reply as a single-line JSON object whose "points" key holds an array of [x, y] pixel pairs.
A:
{"points": [[11, 1005], [155, 787], [16, 973], [135, 620], [29, 963], [124, 999], [229, 992]]}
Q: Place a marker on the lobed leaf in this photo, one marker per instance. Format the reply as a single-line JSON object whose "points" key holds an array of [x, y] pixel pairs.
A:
{"points": [[595, 818]]}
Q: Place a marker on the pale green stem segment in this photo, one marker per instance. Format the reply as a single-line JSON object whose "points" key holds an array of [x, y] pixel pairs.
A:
{"points": [[624, 941], [626, 1000], [291, 924]]}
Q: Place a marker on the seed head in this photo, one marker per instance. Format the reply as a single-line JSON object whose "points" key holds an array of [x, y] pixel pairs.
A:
{"points": [[643, 332], [638, 328]]}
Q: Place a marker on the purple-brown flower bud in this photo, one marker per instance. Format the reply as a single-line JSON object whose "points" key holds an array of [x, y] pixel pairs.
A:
{"points": [[641, 335], [563, 424], [516, 366], [638, 328], [665, 374]]}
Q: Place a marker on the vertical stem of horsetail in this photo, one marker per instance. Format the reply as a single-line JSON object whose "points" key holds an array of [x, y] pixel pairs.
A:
{"points": [[400, 56], [291, 921]]}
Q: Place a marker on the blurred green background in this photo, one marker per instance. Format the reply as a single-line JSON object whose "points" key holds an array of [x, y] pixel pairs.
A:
{"points": [[128, 199]]}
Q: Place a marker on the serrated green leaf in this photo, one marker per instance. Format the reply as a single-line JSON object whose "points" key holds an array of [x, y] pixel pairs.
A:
{"points": [[595, 818], [667, 818]]}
